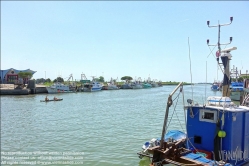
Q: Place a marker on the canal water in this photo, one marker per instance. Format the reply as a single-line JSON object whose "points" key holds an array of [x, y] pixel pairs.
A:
{"points": [[104, 128]]}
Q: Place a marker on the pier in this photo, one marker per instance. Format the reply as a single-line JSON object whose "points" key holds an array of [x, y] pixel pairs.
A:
{"points": [[11, 89]]}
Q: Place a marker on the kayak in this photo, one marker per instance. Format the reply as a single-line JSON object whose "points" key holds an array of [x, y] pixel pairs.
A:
{"points": [[51, 100]]}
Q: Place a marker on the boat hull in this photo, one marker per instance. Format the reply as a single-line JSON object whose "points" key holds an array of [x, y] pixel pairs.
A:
{"points": [[137, 86], [54, 90], [126, 86], [236, 95], [50, 100], [113, 87], [92, 89], [146, 85]]}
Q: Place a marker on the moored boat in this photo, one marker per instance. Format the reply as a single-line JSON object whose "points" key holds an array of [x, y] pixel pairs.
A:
{"points": [[137, 85], [126, 85], [111, 85], [92, 87], [146, 85], [216, 86], [58, 88], [236, 90], [154, 84]]}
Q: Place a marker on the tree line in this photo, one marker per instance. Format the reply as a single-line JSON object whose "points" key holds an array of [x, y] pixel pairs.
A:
{"points": [[60, 79]]}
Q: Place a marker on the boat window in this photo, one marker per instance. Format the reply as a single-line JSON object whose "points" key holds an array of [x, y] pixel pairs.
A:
{"points": [[208, 115], [197, 139]]}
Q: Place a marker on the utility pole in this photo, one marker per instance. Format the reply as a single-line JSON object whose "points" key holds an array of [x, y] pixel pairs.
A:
{"points": [[225, 60]]}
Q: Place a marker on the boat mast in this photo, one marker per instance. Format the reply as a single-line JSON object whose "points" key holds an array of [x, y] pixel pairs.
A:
{"points": [[225, 87], [169, 103]]}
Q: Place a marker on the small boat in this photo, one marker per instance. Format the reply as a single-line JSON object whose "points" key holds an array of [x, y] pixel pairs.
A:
{"points": [[51, 100], [216, 86]]}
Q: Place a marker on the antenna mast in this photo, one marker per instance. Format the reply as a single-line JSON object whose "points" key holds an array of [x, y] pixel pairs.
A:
{"points": [[226, 70]]}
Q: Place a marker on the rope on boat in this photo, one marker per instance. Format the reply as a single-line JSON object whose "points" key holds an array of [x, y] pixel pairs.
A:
{"points": [[211, 51], [177, 97]]}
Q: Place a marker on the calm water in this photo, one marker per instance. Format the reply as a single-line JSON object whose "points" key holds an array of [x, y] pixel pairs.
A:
{"points": [[108, 126]]}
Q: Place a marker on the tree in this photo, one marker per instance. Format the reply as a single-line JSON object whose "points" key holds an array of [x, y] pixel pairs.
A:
{"points": [[101, 79], [40, 80], [240, 79], [127, 78], [48, 80], [59, 79], [24, 75]]}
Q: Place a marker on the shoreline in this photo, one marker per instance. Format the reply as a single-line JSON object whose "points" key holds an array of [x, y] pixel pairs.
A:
{"points": [[9, 89]]}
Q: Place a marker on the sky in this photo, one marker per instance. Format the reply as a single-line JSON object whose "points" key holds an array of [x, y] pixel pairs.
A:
{"points": [[163, 40]]}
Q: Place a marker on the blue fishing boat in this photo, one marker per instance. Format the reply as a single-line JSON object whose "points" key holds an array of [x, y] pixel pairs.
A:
{"points": [[147, 85], [236, 90], [92, 86], [216, 86], [217, 132]]}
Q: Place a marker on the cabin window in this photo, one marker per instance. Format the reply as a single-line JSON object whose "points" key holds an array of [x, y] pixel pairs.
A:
{"points": [[197, 139], [208, 115]]}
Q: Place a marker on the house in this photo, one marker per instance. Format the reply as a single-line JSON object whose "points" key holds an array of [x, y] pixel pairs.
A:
{"points": [[10, 76]]}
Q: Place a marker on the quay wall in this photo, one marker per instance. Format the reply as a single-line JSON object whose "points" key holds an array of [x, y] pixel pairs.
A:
{"points": [[9, 89], [41, 90], [14, 91]]}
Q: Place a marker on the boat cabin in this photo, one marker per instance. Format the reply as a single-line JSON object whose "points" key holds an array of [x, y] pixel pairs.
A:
{"points": [[220, 130]]}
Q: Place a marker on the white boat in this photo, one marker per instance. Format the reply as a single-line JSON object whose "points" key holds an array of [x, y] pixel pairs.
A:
{"points": [[154, 84], [92, 86], [111, 85], [58, 88]]}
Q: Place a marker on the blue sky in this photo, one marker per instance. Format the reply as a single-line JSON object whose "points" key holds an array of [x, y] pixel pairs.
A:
{"points": [[119, 38]]}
